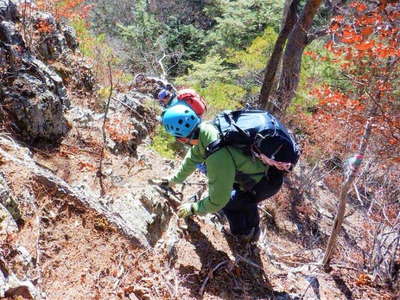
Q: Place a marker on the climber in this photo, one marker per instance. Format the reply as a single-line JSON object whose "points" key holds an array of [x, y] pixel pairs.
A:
{"points": [[236, 182], [189, 97], [167, 97]]}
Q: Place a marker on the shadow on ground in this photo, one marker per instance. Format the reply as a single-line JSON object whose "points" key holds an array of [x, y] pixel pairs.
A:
{"points": [[244, 278]]}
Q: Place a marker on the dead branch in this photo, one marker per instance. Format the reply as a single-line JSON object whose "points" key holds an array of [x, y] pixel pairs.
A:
{"points": [[164, 74], [210, 275], [358, 194], [247, 261], [100, 171], [343, 194]]}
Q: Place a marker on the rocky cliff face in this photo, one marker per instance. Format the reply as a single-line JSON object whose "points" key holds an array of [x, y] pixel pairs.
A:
{"points": [[45, 88], [32, 94]]}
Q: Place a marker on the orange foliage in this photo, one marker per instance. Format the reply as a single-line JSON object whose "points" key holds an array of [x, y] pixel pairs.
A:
{"points": [[65, 8], [363, 279], [119, 130], [366, 42], [44, 26]]}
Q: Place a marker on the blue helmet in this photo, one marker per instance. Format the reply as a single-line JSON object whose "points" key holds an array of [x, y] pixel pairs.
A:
{"points": [[163, 94], [180, 120]]}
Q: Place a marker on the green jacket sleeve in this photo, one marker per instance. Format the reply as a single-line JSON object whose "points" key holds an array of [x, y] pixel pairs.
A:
{"points": [[221, 176], [193, 157], [196, 154]]}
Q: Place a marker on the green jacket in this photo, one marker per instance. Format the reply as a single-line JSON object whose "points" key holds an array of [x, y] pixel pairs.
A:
{"points": [[223, 168]]}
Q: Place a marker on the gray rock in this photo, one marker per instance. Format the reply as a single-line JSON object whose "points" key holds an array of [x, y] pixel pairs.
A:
{"points": [[147, 210], [24, 288], [56, 43], [8, 208], [81, 115], [70, 37], [143, 122], [2, 284], [8, 11], [9, 34], [4, 189], [39, 111], [51, 44], [34, 94], [7, 223]]}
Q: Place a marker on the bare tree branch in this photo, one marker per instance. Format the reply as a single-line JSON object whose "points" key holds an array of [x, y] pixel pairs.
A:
{"points": [[343, 193], [100, 171]]}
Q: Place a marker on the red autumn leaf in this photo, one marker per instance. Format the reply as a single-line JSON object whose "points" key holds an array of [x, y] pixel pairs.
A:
{"points": [[334, 27], [361, 7], [370, 20], [348, 34], [366, 31], [365, 46], [338, 19], [329, 45]]}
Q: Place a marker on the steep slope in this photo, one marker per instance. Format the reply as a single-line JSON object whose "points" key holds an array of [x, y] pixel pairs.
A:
{"points": [[66, 240]]}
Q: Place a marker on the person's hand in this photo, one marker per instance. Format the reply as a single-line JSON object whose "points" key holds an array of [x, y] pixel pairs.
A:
{"points": [[185, 210], [165, 181]]}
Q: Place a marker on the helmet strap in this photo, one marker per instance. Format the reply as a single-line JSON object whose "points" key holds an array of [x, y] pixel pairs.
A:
{"points": [[194, 135]]}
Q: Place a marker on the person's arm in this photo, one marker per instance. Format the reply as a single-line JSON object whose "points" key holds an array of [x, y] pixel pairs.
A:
{"points": [[192, 158], [221, 176]]}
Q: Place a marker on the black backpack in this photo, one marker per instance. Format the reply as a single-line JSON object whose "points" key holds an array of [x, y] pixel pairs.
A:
{"points": [[256, 133]]}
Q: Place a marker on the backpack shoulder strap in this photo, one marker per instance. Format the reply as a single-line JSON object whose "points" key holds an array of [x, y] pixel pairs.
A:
{"points": [[213, 147]]}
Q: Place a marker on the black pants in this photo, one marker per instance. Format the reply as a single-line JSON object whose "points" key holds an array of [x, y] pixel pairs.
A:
{"points": [[242, 211]]}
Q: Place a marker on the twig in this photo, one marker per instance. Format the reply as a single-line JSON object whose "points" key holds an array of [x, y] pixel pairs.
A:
{"points": [[305, 292], [358, 194], [241, 258], [164, 74], [392, 259], [210, 274], [100, 171], [38, 252], [130, 108]]}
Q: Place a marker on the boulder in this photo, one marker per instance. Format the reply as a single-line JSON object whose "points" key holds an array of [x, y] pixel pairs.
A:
{"points": [[56, 39], [141, 122], [16, 288], [146, 211], [10, 215], [70, 37], [7, 223], [8, 11], [33, 95]]}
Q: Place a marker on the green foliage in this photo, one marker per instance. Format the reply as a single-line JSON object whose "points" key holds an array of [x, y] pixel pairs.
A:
{"points": [[144, 37], [201, 74], [239, 22], [104, 92], [318, 68], [184, 34], [222, 96], [227, 82], [95, 47], [165, 144], [184, 43], [215, 82], [88, 42], [126, 78], [105, 14], [254, 57]]}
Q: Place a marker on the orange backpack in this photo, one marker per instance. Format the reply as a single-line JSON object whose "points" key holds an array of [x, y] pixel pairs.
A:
{"points": [[193, 99]]}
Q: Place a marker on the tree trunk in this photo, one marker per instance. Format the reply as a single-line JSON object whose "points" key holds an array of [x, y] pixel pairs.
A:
{"points": [[290, 16], [296, 43], [343, 193]]}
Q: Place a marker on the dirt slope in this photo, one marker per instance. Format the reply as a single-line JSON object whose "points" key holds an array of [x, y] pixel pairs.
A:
{"points": [[77, 254]]}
